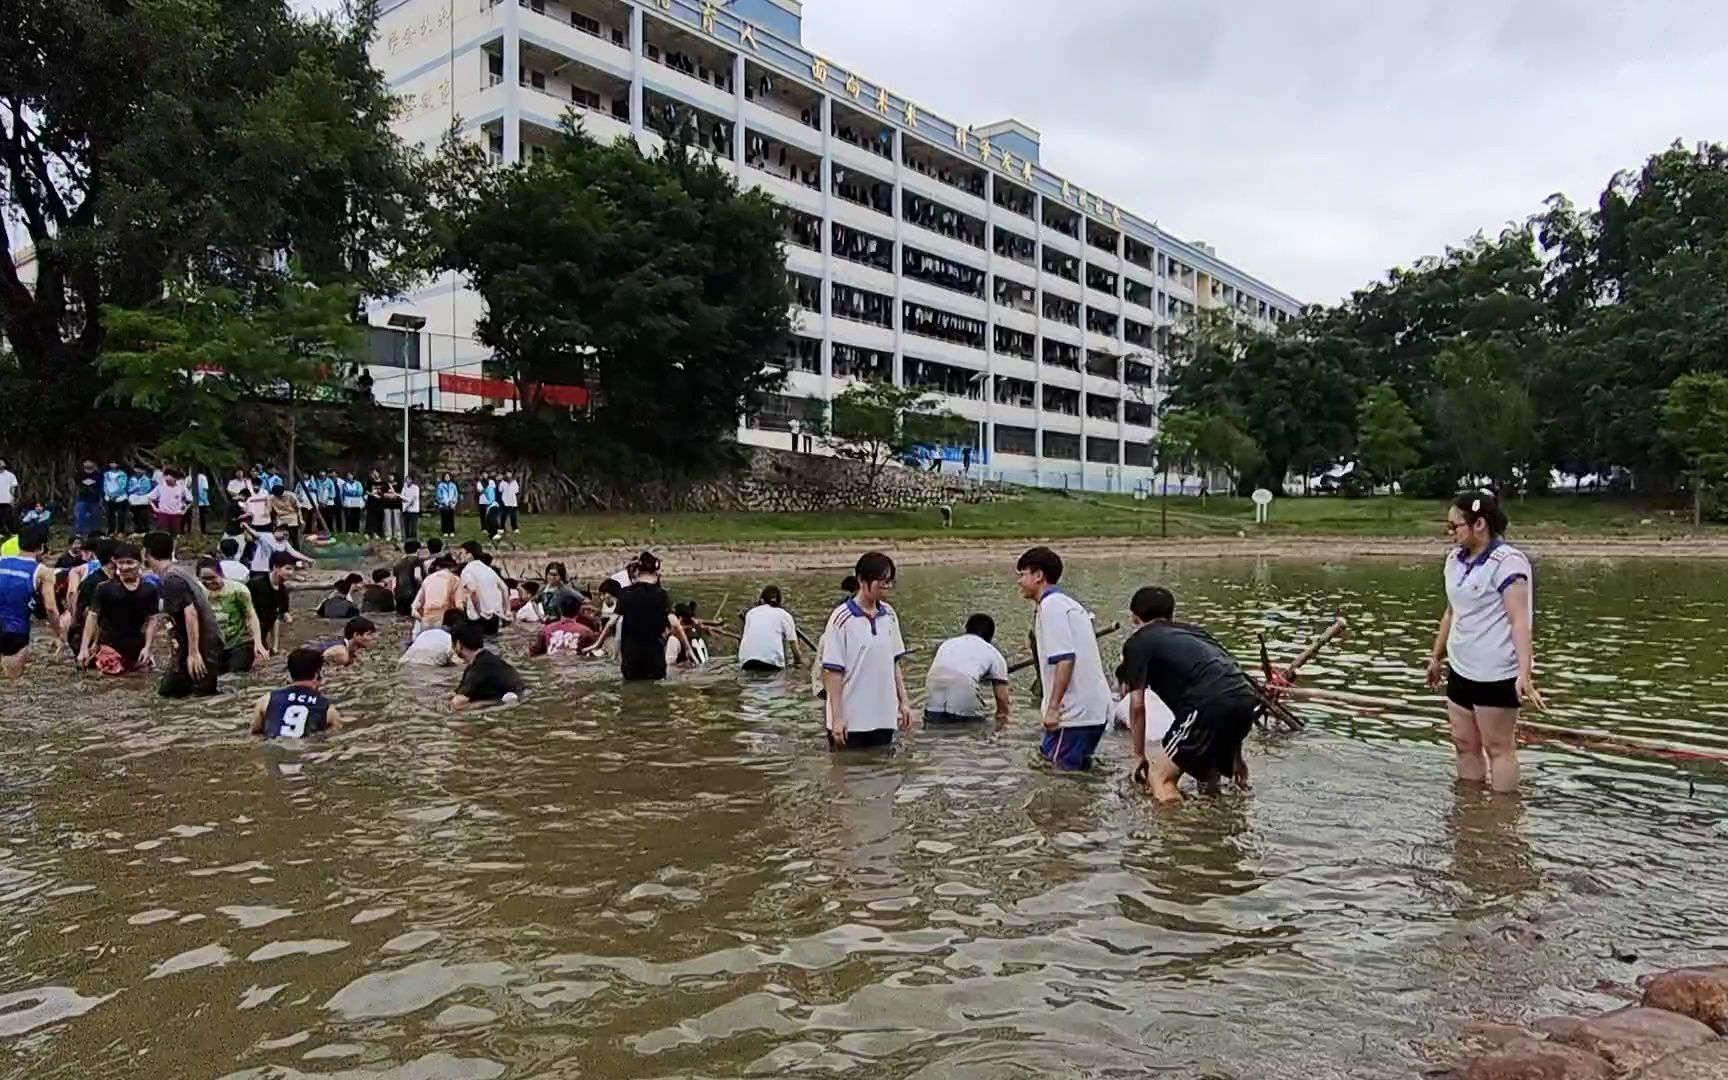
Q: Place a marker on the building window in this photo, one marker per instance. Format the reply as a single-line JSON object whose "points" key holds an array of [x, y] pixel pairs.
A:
{"points": [[1016, 440], [942, 325], [1061, 446]]}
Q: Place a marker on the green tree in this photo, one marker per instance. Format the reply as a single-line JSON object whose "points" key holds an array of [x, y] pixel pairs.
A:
{"points": [[652, 281], [878, 423], [1483, 411], [1388, 439], [1293, 395], [1695, 423], [199, 357], [146, 144]]}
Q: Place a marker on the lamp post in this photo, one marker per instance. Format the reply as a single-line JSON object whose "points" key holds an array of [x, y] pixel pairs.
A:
{"points": [[412, 324]]}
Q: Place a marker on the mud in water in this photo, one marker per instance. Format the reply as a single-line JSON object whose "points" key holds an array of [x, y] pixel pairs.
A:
{"points": [[678, 881]]}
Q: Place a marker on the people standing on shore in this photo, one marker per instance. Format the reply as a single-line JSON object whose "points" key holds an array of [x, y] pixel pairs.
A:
{"points": [[1483, 653], [410, 509], [509, 505], [114, 487], [391, 501], [169, 502], [138, 490], [300, 708], [1202, 685], [447, 495], [201, 499], [23, 578], [197, 637], [1076, 699], [330, 502], [486, 497], [353, 503], [962, 667], [8, 499], [87, 504], [862, 648]]}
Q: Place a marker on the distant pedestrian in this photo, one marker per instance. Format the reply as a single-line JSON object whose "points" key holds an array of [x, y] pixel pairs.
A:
{"points": [[138, 489], [87, 504], [447, 495], [8, 499], [353, 503], [114, 485], [201, 494], [410, 509], [509, 504], [170, 501]]}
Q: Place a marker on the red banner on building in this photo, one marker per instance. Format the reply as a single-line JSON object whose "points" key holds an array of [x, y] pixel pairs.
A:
{"points": [[575, 397]]}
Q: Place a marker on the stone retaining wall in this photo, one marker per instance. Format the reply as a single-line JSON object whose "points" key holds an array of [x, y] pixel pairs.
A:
{"points": [[770, 481]]}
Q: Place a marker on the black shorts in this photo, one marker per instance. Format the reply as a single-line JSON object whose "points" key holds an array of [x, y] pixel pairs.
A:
{"points": [[490, 626], [948, 718], [180, 683], [760, 665], [863, 740], [1207, 743], [238, 658], [1470, 694], [13, 644], [641, 661]]}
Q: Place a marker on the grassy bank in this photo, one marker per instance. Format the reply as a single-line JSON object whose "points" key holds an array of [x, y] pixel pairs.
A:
{"points": [[1057, 516]]}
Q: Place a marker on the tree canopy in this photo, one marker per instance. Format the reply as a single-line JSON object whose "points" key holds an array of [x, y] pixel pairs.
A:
{"points": [[651, 280], [144, 146], [1549, 346], [876, 423]]}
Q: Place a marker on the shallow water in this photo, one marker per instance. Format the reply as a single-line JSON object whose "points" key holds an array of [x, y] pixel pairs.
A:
{"points": [[678, 881]]}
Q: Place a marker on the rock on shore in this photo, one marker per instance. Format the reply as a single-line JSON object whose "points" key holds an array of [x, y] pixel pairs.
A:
{"points": [[1675, 1033]]}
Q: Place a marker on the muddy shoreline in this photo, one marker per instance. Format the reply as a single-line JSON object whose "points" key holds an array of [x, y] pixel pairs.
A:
{"points": [[686, 560]]}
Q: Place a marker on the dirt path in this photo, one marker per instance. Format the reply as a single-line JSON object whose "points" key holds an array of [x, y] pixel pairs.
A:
{"points": [[588, 563]]}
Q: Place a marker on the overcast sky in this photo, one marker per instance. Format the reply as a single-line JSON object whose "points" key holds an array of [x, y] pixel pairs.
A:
{"points": [[1315, 143]]}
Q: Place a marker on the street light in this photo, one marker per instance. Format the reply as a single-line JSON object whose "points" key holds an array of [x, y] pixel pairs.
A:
{"points": [[413, 324]]}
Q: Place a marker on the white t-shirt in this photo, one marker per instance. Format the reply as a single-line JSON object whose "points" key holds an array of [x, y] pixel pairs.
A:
{"points": [[961, 665], [137, 498], [1064, 632], [258, 509], [622, 577], [238, 489], [431, 646], [487, 596], [508, 492], [8, 485], [1159, 718], [171, 499], [865, 651], [767, 629], [410, 498], [1480, 646], [233, 570]]}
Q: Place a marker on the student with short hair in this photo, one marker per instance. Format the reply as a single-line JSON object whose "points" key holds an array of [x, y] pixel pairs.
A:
{"points": [[1076, 704], [358, 635], [488, 678], [484, 598], [568, 635], [270, 598], [961, 667], [119, 630], [1210, 696], [242, 637], [770, 635], [197, 636], [341, 603], [861, 654], [300, 708], [378, 596], [441, 591], [23, 578]]}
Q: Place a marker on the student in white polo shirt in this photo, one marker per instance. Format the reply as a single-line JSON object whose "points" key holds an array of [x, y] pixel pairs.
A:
{"points": [[861, 653], [1077, 701], [769, 635], [960, 667], [1482, 653]]}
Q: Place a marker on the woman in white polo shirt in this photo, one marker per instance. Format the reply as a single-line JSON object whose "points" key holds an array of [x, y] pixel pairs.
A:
{"points": [[861, 653], [1482, 653]]}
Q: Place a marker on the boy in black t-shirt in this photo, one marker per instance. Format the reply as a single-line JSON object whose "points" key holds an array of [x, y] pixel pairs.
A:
{"points": [[197, 635], [489, 677]]}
